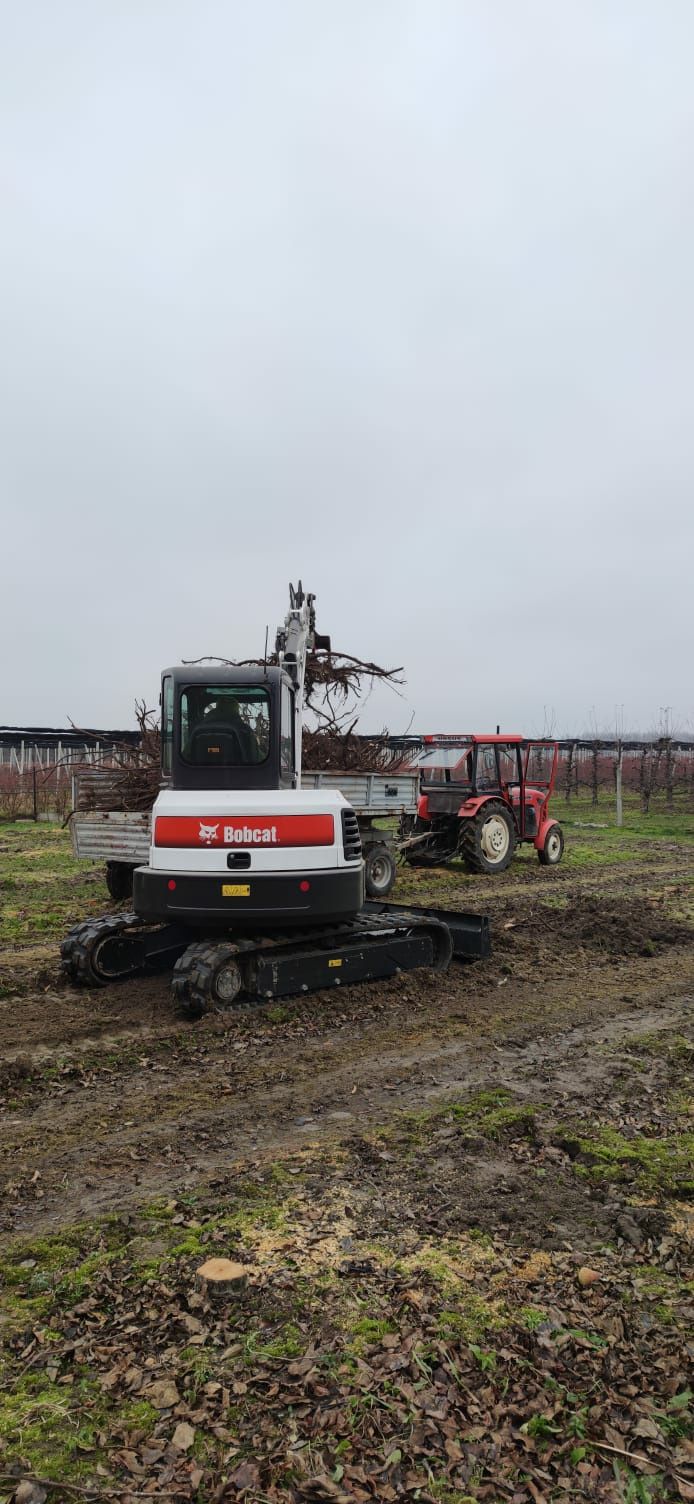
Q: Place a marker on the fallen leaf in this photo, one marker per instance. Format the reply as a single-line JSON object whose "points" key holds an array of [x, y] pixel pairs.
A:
{"points": [[163, 1394], [246, 1476], [183, 1436], [190, 1323], [647, 1427], [29, 1493]]}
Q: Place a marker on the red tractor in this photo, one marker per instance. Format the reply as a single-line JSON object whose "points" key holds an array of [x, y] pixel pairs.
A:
{"points": [[479, 797]]}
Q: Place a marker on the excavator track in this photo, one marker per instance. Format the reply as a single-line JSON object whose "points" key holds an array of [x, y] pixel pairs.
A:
{"points": [[115, 946], [218, 972]]}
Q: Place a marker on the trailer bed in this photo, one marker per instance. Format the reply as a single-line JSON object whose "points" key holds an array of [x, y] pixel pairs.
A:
{"points": [[109, 835]]}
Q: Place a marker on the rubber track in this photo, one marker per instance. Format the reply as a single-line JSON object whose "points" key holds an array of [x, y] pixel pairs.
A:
{"points": [[193, 970], [191, 982], [77, 949]]}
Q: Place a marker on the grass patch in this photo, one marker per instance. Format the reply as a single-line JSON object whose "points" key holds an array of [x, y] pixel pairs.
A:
{"points": [[44, 889], [288, 1344], [39, 1274], [676, 825], [495, 1115], [490, 1114], [444, 1494], [53, 1429], [367, 1331], [672, 1047], [531, 1317], [653, 1165], [471, 1319]]}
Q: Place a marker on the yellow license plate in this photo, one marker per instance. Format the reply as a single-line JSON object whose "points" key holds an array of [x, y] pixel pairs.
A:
{"points": [[236, 890]]}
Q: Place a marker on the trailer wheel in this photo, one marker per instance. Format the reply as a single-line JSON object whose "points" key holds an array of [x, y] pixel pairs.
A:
{"points": [[488, 841], [207, 976], [119, 880], [553, 849], [379, 871]]}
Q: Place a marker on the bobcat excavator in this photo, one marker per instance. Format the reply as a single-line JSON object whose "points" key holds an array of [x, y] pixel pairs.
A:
{"points": [[254, 886]]}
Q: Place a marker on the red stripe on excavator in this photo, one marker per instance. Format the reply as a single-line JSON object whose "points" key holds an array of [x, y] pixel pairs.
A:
{"points": [[235, 831]]}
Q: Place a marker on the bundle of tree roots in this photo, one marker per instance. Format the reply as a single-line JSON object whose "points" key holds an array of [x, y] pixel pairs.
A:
{"points": [[335, 683], [131, 778]]}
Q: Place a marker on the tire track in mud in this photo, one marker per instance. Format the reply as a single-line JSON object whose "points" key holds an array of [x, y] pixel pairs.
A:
{"points": [[41, 1018], [97, 1148], [110, 1098]]}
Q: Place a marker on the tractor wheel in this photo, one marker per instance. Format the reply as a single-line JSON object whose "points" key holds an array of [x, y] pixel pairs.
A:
{"points": [[207, 976], [119, 880], [488, 841], [379, 871], [553, 849]]}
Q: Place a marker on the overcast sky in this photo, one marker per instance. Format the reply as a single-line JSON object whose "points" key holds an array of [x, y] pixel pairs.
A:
{"points": [[394, 296]]}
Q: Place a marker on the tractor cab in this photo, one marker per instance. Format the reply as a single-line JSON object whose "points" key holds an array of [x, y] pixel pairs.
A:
{"points": [[454, 770]]}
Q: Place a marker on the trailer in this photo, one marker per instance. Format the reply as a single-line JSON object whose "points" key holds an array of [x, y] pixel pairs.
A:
{"points": [[121, 838]]}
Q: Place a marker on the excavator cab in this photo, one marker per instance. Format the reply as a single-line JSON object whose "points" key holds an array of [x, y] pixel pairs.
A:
{"points": [[228, 728]]}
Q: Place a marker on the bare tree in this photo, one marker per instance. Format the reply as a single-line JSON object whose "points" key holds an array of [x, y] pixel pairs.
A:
{"points": [[669, 776], [595, 771], [569, 767]]}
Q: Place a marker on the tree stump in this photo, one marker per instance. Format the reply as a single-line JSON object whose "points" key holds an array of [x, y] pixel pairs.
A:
{"points": [[221, 1278]]}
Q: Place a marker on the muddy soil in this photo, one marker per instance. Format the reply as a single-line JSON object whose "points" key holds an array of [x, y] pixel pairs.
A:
{"points": [[109, 1098]]}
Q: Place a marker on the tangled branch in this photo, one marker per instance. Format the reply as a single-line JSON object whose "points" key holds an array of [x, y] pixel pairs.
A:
{"points": [[133, 773], [334, 685]]}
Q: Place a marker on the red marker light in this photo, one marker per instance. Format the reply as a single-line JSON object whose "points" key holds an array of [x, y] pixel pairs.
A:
{"points": [[171, 885], [304, 886]]}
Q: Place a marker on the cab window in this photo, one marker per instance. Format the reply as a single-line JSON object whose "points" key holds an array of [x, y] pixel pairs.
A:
{"points": [[539, 762], [224, 725], [287, 731], [167, 703], [487, 776], [508, 763]]}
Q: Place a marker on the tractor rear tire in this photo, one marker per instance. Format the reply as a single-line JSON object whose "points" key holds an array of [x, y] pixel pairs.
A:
{"points": [[380, 871], [488, 841], [553, 849]]}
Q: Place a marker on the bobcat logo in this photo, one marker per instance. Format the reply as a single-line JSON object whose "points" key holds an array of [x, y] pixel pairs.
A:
{"points": [[208, 833]]}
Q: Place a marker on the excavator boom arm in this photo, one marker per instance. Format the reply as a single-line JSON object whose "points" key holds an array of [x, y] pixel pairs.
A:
{"points": [[294, 641]]}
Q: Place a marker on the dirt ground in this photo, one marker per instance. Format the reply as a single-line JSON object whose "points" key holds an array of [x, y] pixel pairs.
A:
{"points": [[111, 1097], [538, 1100]]}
